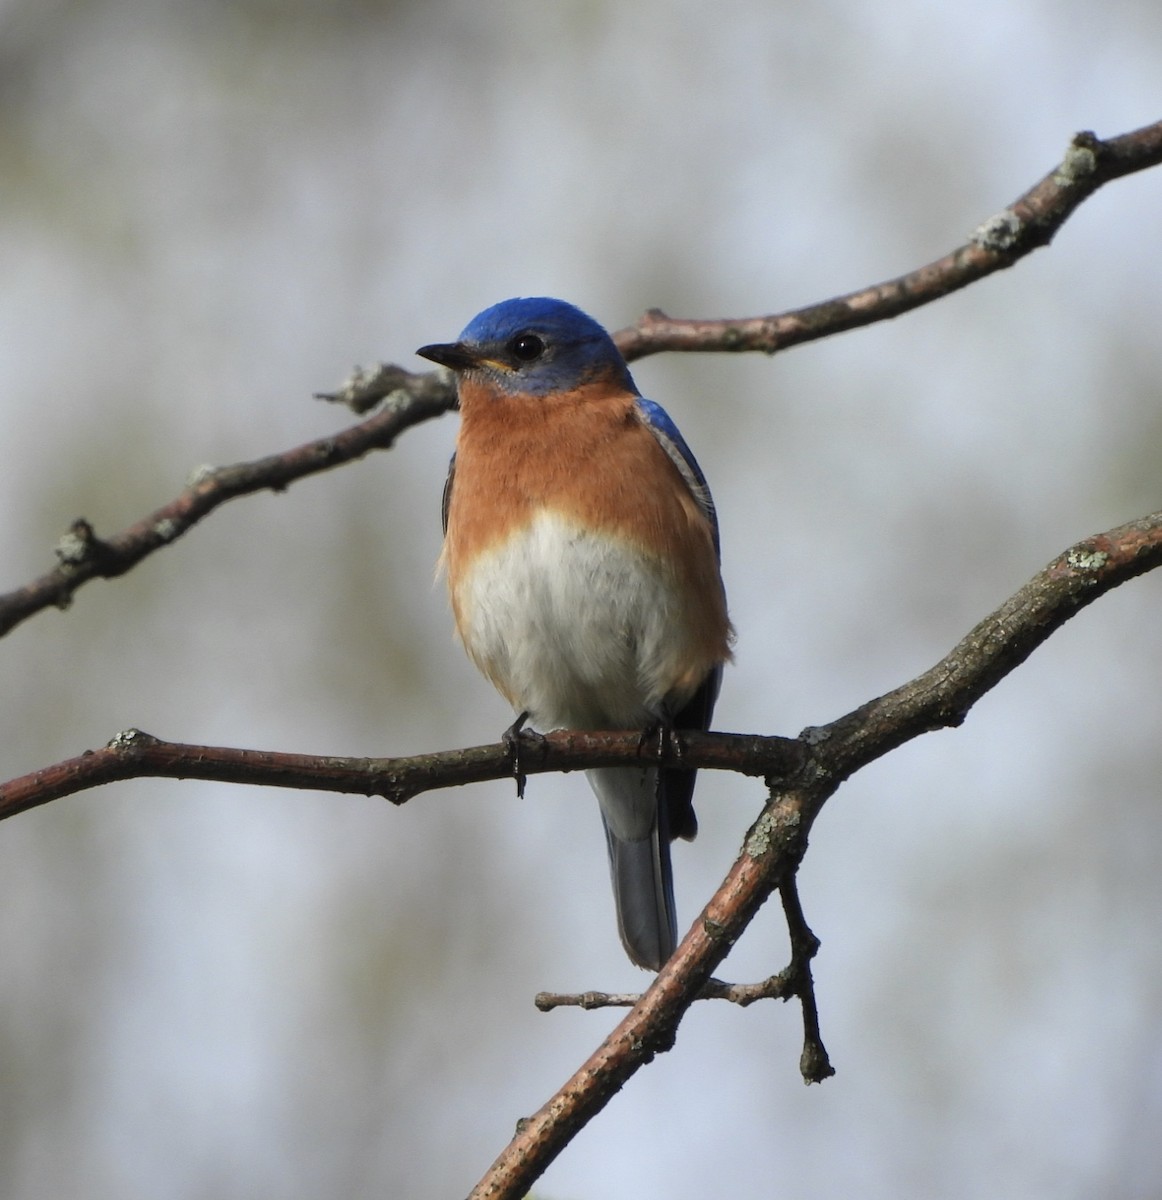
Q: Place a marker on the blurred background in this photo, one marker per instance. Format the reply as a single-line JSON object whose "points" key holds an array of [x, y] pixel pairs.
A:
{"points": [[211, 211]]}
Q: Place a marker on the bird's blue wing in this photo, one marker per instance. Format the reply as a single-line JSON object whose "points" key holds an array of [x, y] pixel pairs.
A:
{"points": [[676, 788], [658, 422]]}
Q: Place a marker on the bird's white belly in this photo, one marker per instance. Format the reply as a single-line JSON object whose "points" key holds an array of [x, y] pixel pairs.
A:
{"points": [[581, 631]]}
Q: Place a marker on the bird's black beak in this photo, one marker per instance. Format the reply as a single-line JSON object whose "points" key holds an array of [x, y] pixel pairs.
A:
{"points": [[450, 354]]}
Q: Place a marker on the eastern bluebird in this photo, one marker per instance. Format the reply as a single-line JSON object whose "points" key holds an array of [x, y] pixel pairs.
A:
{"points": [[582, 558]]}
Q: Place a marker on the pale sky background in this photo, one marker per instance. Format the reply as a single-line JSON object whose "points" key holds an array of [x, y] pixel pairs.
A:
{"points": [[212, 210]]}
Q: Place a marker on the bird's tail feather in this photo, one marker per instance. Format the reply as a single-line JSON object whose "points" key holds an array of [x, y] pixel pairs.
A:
{"points": [[644, 893], [639, 866]]}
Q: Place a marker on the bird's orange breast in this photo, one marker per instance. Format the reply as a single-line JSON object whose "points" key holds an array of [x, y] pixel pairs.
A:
{"points": [[587, 458]]}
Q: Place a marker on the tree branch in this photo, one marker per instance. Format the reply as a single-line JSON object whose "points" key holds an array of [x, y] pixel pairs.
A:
{"points": [[1030, 222], [133, 754], [83, 555]]}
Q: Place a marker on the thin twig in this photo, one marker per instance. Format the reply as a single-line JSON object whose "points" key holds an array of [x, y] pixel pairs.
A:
{"points": [[814, 1065], [775, 987]]}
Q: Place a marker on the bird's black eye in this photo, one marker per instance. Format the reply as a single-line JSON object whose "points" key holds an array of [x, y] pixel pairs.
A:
{"points": [[526, 347]]}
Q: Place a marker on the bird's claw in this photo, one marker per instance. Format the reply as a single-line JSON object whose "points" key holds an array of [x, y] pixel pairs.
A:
{"points": [[513, 738], [669, 739]]}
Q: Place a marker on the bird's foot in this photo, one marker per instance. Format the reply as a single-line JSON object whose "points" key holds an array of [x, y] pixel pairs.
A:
{"points": [[513, 737], [663, 737]]}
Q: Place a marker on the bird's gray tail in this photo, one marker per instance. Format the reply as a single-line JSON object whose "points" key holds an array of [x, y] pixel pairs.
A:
{"points": [[638, 836]]}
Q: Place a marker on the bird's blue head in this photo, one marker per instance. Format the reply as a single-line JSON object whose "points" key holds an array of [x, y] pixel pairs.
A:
{"points": [[534, 345]]}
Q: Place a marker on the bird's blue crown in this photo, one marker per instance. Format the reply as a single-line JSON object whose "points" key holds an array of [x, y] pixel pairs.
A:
{"points": [[550, 344]]}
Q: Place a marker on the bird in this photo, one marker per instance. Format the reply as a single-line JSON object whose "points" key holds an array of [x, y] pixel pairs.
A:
{"points": [[582, 558]]}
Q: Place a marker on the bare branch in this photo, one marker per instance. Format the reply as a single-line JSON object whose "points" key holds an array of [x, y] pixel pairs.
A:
{"points": [[775, 987], [137, 755], [814, 1065], [1028, 223], [942, 696], [84, 556]]}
